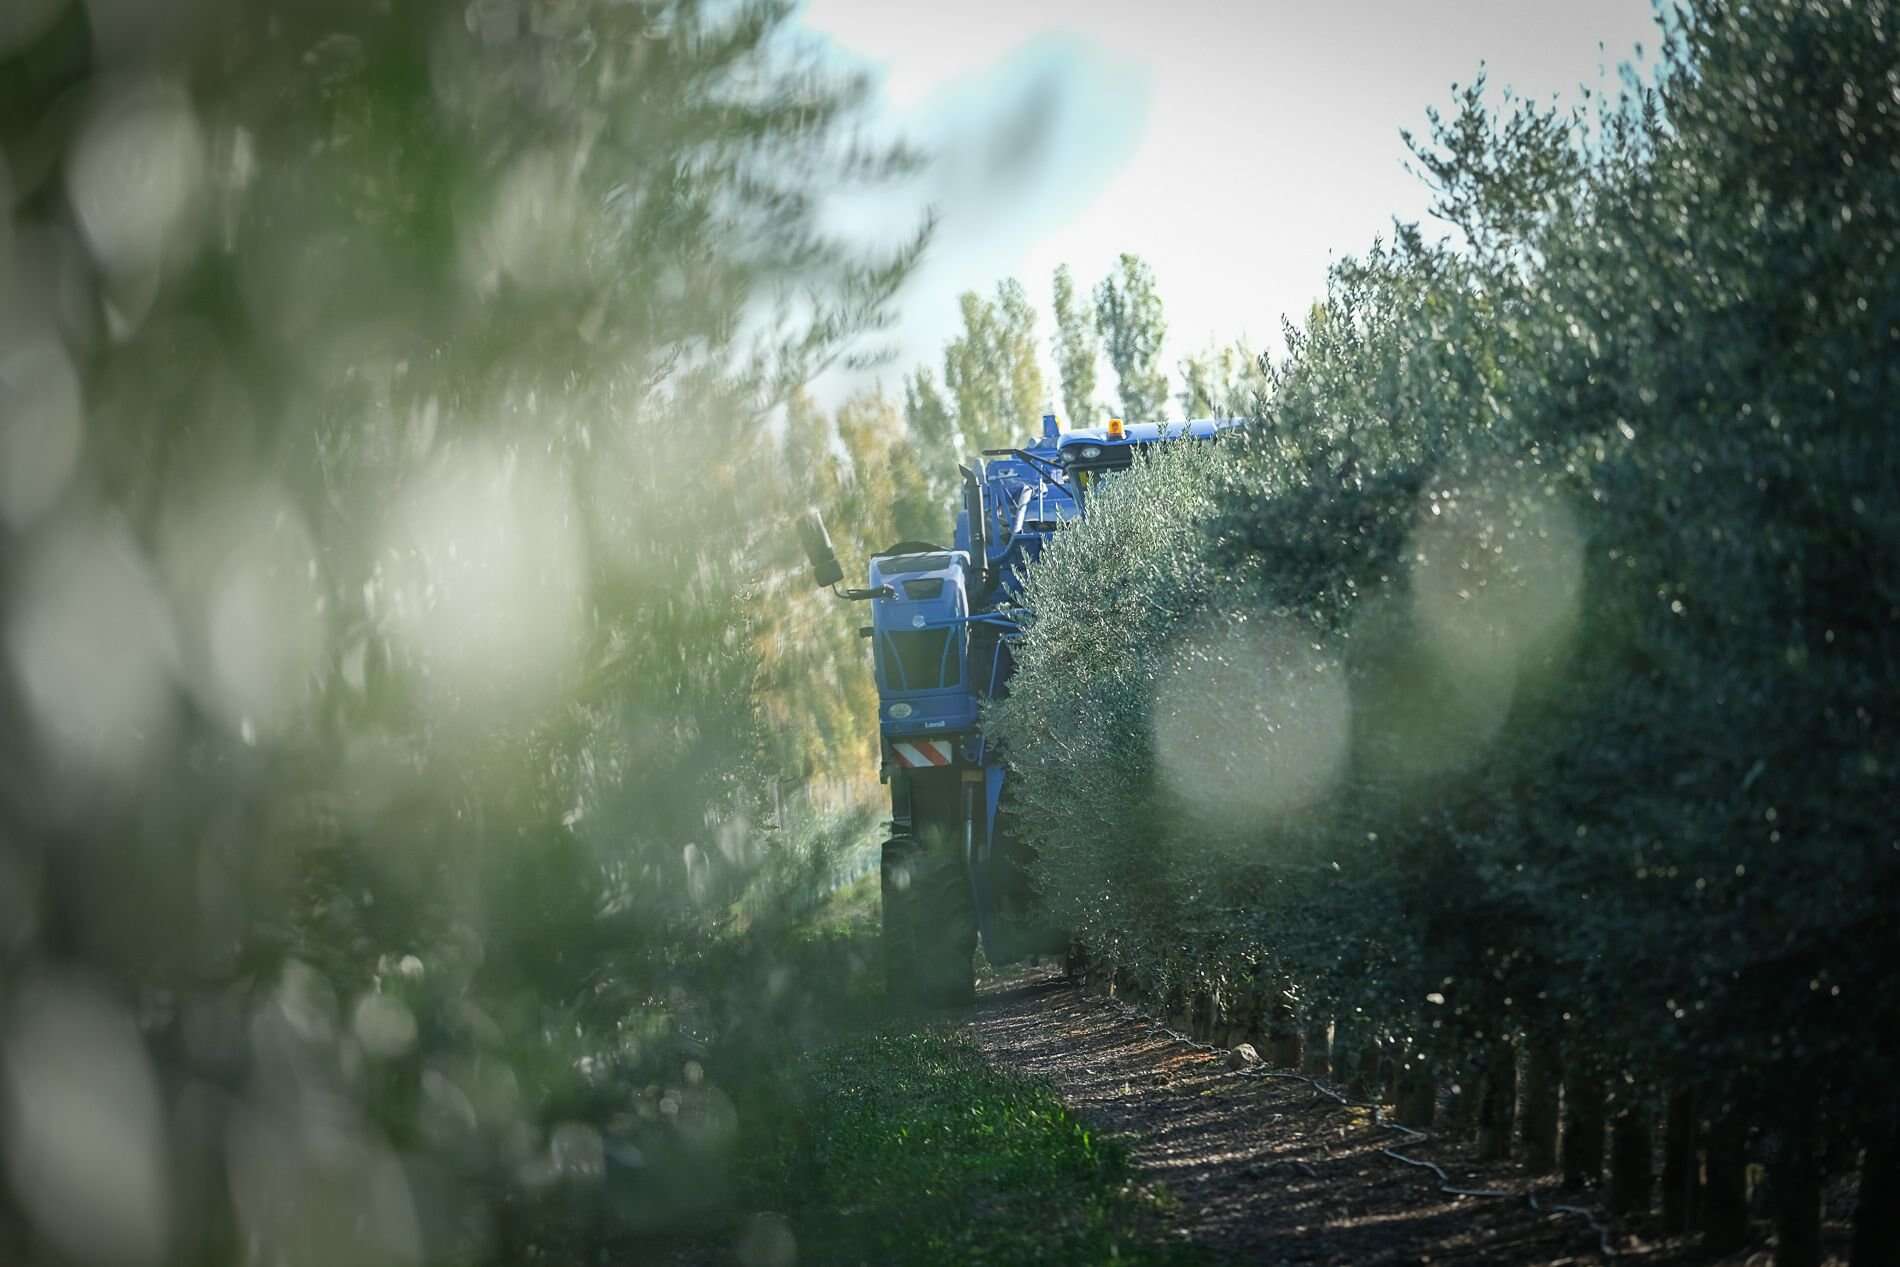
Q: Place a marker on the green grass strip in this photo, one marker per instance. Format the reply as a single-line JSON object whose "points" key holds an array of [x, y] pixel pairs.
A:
{"points": [[905, 1147]]}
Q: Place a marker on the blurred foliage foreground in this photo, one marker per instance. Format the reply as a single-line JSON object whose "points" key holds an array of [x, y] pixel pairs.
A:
{"points": [[1522, 692], [385, 488]]}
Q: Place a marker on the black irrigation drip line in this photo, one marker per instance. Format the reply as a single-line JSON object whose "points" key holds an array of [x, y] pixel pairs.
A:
{"points": [[1445, 1184]]}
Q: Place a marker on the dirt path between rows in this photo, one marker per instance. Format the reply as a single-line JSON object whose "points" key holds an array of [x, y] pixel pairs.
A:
{"points": [[1266, 1170]]}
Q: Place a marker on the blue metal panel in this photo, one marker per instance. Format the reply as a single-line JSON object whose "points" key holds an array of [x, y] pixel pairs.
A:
{"points": [[946, 712]]}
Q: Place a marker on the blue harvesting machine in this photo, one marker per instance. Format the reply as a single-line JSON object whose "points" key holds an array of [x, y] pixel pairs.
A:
{"points": [[955, 868]]}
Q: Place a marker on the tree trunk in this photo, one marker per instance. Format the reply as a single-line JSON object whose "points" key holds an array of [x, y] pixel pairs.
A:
{"points": [[1725, 1198], [1877, 1219], [1417, 1100], [1461, 1115], [1230, 1024], [1319, 1048], [1679, 1179], [1283, 1031], [1497, 1107], [1174, 1007], [1201, 1017], [1796, 1177], [1075, 965], [1543, 1082], [1348, 1036], [1631, 1176], [1583, 1126], [1365, 1083]]}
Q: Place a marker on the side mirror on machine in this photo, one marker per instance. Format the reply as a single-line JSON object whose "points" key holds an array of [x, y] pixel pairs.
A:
{"points": [[817, 542], [979, 526]]}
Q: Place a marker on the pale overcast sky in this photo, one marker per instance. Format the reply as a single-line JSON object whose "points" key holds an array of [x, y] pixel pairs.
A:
{"points": [[1237, 147]]}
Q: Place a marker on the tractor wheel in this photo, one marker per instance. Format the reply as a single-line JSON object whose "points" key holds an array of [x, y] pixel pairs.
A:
{"points": [[929, 926], [899, 919]]}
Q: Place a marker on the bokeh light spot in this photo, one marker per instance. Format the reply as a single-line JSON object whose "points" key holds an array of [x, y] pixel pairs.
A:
{"points": [[90, 641], [40, 427], [136, 182], [488, 581], [242, 571], [767, 1241], [384, 1026], [85, 1146], [528, 236], [23, 21], [1251, 721], [1497, 573]]}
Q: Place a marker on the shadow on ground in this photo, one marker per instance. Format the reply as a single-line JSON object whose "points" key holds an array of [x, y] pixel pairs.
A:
{"points": [[1267, 1170]]}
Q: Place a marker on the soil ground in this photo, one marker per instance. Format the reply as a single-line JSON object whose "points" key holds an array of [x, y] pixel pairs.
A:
{"points": [[1266, 1169]]}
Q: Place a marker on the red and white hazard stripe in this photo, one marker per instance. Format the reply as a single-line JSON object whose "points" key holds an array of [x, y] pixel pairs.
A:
{"points": [[923, 753]]}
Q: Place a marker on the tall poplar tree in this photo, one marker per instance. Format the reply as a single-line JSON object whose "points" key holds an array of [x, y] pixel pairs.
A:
{"points": [[1077, 349], [1129, 318], [991, 369]]}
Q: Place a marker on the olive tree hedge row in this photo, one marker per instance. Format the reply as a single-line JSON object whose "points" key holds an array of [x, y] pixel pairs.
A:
{"points": [[1520, 692]]}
